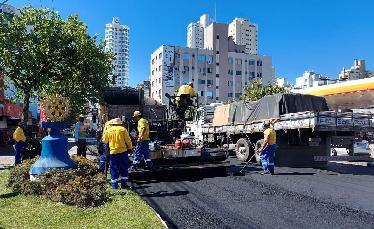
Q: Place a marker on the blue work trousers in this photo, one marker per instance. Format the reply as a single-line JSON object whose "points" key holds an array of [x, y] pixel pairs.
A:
{"points": [[142, 149], [20, 148], [119, 169], [104, 156], [267, 158]]}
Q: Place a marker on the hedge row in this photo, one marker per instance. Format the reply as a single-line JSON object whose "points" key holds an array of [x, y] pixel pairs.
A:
{"points": [[82, 187]]}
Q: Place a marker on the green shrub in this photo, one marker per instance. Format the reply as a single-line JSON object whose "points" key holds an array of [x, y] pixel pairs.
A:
{"points": [[82, 187], [19, 179], [33, 148]]}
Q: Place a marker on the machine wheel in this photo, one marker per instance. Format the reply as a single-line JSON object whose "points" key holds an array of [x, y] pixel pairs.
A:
{"points": [[243, 149], [257, 156]]}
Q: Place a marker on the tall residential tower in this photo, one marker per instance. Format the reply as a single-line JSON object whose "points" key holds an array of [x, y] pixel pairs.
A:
{"points": [[117, 40], [195, 32], [243, 32]]}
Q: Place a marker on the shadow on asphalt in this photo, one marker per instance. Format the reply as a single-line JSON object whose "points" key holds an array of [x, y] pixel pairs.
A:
{"points": [[295, 173], [165, 193], [176, 175], [350, 169]]}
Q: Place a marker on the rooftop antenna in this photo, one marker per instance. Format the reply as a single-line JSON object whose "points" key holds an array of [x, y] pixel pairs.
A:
{"points": [[215, 11]]}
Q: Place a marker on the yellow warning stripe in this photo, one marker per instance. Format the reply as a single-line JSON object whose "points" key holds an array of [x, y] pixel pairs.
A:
{"points": [[342, 89]]}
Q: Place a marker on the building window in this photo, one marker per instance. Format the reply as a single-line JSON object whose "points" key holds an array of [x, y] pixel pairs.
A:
{"points": [[217, 64], [217, 98], [230, 83], [209, 94], [209, 82], [237, 95], [209, 70], [186, 56], [153, 72], [230, 60], [230, 94], [217, 87], [209, 59], [159, 68], [259, 63], [201, 58], [252, 62], [217, 36], [186, 68], [160, 56], [230, 72], [201, 81], [201, 93], [153, 61], [217, 52], [217, 75], [238, 61], [238, 73]]}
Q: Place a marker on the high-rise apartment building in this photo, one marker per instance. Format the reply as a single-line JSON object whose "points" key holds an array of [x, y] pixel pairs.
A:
{"points": [[219, 72], [357, 71], [195, 32], [243, 32], [117, 40]]}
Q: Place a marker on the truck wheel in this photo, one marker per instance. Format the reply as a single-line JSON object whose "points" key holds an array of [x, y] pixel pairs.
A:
{"points": [[257, 156], [243, 149]]}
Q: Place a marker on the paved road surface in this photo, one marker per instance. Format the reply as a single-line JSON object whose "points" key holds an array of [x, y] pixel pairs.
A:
{"points": [[341, 197]]}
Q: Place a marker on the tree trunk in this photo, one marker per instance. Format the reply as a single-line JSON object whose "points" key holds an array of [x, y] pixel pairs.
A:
{"points": [[26, 105]]}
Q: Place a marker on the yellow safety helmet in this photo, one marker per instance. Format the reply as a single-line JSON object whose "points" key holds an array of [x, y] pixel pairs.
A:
{"points": [[137, 114]]}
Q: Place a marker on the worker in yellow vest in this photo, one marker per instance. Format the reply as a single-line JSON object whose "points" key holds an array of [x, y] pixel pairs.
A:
{"points": [[119, 142], [268, 148], [142, 145], [185, 92], [20, 139]]}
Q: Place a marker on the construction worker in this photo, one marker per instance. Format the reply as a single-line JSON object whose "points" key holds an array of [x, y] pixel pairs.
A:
{"points": [[185, 92], [268, 148], [80, 135], [142, 146], [105, 147], [19, 138], [119, 142]]}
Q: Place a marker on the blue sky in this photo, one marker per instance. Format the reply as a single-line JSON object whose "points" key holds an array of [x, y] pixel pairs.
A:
{"points": [[319, 35]]}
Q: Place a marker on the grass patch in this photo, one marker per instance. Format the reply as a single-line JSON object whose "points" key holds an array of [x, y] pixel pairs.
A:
{"points": [[125, 210]]}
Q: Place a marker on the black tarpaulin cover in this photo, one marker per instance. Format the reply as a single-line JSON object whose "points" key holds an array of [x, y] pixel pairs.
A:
{"points": [[273, 106]]}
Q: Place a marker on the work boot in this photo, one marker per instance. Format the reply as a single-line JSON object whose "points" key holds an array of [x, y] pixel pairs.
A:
{"points": [[265, 173], [114, 185], [124, 185]]}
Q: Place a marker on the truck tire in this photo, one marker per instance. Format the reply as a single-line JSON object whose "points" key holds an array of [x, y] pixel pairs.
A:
{"points": [[257, 156], [243, 149]]}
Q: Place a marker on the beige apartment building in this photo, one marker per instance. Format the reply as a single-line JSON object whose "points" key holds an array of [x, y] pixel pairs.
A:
{"points": [[219, 72], [243, 32]]}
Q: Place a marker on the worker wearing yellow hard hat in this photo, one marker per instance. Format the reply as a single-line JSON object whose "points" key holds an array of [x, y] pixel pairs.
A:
{"points": [[186, 89]]}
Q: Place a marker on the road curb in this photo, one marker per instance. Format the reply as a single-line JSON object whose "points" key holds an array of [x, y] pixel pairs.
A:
{"points": [[158, 215]]}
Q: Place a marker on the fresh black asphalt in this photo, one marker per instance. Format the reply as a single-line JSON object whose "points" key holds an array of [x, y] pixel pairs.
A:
{"points": [[211, 197]]}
